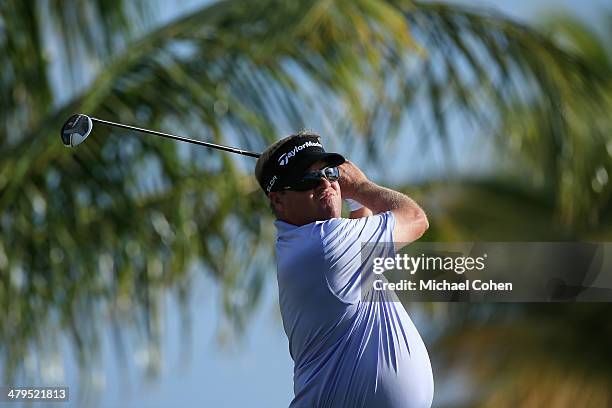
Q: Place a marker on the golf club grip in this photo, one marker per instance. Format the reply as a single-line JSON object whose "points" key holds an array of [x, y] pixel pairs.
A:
{"points": [[180, 138]]}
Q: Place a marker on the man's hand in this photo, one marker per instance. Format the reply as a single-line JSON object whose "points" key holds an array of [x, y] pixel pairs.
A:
{"points": [[351, 178], [410, 220]]}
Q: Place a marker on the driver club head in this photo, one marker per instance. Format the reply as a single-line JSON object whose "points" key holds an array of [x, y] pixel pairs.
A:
{"points": [[76, 129]]}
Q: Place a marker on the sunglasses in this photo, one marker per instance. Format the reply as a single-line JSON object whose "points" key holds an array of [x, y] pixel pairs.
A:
{"points": [[313, 179]]}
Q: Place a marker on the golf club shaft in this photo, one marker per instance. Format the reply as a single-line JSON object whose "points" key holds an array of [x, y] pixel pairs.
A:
{"points": [[181, 138]]}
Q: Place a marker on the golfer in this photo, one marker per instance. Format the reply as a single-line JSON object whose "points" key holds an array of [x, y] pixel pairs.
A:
{"points": [[351, 346]]}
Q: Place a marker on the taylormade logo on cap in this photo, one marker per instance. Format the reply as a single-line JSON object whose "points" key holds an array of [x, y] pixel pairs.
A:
{"points": [[278, 168], [284, 158]]}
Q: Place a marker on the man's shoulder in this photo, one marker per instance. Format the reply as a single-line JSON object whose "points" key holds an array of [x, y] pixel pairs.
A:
{"points": [[347, 227], [372, 220], [332, 226]]}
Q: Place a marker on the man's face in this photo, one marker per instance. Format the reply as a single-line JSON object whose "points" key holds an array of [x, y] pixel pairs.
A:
{"points": [[303, 207]]}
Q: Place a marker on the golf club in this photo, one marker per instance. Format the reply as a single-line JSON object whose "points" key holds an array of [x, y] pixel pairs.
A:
{"points": [[79, 126]]}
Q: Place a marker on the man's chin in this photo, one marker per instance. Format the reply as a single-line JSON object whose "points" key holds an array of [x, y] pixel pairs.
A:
{"points": [[330, 210]]}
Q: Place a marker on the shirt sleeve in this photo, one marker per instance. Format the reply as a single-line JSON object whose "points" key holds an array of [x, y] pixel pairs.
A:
{"points": [[349, 245]]}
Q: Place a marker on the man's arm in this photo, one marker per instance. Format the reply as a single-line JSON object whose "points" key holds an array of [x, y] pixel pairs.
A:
{"points": [[362, 212], [357, 210], [410, 220]]}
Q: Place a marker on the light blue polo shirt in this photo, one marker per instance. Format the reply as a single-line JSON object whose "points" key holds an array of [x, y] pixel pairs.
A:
{"points": [[350, 349]]}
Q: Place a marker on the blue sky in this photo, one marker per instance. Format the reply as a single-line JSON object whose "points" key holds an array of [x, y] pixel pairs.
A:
{"points": [[532, 10]]}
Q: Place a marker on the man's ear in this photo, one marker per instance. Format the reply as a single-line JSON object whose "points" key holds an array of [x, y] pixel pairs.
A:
{"points": [[276, 200]]}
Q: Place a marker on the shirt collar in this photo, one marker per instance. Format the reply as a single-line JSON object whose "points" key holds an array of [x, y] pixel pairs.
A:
{"points": [[283, 227]]}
